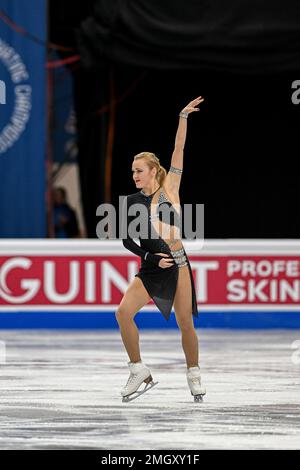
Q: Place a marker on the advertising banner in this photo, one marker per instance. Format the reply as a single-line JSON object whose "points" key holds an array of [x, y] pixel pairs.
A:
{"points": [[238, 279], [22, 118]]}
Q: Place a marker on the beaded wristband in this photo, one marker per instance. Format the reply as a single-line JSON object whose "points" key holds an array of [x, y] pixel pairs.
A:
{"points": [[183, 115], [178, 171]]}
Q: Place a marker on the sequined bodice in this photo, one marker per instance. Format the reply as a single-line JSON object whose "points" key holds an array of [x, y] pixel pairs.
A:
{"points": [[155, 240], [156, 216]]}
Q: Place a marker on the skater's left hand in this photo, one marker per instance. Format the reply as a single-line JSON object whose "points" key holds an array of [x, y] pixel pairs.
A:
{"points": [[192, 106]]}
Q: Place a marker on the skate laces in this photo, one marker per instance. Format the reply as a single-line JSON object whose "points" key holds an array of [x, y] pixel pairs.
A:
{"points": [[196, 380], [131, 379]]}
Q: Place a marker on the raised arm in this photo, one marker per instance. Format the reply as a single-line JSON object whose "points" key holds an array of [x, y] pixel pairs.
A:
{"points": [[173, 177]]}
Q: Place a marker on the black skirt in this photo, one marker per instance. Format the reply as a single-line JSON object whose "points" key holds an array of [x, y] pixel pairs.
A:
{"points": [[161, 284]]}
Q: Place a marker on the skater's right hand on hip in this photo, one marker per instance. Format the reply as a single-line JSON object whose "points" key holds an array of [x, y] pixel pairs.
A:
{"points": [[166, 261]]}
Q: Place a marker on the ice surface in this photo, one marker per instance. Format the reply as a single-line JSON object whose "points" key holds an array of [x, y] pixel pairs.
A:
{"points": [[61, 390]]}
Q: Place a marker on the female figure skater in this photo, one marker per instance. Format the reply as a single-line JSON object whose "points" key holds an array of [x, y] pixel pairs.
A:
{"points": [[165, 274]]}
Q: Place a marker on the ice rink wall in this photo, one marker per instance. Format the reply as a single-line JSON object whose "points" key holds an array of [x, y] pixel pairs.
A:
{"points": [[80, 283]]}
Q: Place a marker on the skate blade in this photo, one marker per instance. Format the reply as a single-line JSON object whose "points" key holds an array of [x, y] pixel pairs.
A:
{"points": [[198, 398], [136, 394]]}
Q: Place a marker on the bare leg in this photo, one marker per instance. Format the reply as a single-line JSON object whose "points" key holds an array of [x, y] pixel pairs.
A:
{"points": [[184, 317], [133, 300]]}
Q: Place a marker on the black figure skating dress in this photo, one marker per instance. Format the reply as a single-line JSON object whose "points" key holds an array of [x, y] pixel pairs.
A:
{"points": [[159, 282]]}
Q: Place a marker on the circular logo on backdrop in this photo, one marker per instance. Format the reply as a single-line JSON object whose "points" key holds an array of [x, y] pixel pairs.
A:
{"points": [[15, 96]]}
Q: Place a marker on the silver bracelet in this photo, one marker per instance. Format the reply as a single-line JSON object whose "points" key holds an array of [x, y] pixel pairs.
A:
{"points": [[183, 114], [146, 255]]}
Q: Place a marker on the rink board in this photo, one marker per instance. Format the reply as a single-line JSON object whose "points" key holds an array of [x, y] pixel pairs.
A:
{"points": [[80, 283], [149, 320]]}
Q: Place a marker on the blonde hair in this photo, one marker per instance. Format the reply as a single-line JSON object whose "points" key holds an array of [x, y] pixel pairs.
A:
{"points": [[153, 162]]}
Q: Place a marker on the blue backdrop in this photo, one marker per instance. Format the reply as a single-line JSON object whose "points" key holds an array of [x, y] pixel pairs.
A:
{"points": [[23, 120]]}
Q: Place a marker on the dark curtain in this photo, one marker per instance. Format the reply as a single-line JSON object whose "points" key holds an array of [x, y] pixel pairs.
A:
{"points": [[242, 56], [235, 36]]}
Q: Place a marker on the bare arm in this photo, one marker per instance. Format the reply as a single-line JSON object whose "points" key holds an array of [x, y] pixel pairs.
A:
{"points": [[172, 180]]}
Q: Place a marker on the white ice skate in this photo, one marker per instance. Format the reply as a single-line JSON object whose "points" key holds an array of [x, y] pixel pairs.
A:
{"points": [[139, 373], [194, 382]]}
